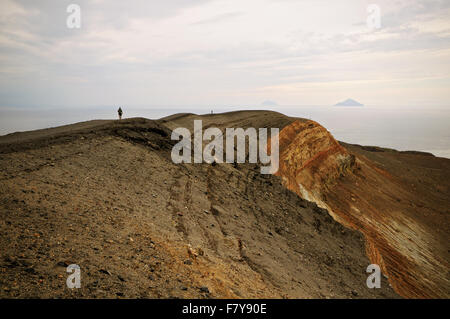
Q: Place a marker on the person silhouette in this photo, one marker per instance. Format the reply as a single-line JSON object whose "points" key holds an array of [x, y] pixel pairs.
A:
{"points": [[120, 112]]}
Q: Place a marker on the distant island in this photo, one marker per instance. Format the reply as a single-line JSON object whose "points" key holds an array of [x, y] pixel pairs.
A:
{"points": [[269, 103], [349, 102]]}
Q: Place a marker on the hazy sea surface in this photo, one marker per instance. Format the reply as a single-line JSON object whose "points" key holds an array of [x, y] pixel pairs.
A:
{"points": [[420, 129]]}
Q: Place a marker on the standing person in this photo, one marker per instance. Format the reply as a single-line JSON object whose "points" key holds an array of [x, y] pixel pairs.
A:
{"points": [[120, 112]]}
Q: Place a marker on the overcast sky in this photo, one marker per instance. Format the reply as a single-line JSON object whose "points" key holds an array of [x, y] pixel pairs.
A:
{"points": [[224, 52]]}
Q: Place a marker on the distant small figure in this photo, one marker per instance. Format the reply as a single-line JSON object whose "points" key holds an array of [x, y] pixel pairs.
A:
{"points": [[120, 112], [212, 112]]}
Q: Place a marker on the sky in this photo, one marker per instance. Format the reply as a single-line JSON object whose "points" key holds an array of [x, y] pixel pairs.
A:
{"points": [[224, 52]]}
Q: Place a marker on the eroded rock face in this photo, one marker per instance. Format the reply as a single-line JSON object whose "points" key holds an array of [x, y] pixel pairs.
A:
{"points": [[311, 160], [363, 195]]}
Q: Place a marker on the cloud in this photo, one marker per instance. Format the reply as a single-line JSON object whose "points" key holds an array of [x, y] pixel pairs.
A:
{"points": [[218, 18], [188, 52]]}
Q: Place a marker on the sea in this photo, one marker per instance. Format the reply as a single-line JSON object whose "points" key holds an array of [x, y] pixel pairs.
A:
{"points": [[403, 128]]}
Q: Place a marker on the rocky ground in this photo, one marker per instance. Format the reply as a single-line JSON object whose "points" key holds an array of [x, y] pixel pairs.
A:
{"points": [[105, 195]]}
